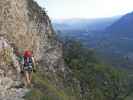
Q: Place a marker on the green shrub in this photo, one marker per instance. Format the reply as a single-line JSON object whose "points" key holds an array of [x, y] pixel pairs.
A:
{"points": [[97, 81], [44, 90]]}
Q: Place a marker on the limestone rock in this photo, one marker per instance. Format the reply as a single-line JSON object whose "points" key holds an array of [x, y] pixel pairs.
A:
{"points": [[25, 25]]}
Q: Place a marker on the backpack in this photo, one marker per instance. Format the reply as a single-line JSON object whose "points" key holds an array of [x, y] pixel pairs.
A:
{"points": [[28, 62]]}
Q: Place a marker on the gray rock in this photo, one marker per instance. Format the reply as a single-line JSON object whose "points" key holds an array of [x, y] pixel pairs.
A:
{"points": [[24, 25]]}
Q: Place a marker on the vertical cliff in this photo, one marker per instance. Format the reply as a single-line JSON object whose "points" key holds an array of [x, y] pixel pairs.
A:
{"points": [[25, 25]]}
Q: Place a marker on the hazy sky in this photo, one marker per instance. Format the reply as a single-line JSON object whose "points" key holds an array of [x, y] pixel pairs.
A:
{"points": [[86, 8]]}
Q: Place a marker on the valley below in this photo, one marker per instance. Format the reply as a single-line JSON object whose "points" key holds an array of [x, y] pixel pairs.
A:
{"points": [[115, 48]]}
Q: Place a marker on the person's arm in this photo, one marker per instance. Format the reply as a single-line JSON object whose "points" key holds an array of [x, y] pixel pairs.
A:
{"points": [[34, 64]]}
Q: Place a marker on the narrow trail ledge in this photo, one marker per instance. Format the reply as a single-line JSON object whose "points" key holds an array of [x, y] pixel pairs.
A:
{"points": [[25, 25]]}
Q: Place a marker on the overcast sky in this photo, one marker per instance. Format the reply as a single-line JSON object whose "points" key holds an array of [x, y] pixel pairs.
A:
{"points": [[60, 9]]}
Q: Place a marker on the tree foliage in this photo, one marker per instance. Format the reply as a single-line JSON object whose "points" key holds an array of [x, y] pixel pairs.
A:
{"points": [[97, 81]]}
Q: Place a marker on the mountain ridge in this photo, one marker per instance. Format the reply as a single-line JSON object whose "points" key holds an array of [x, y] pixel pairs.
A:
{"points": [[122, 26]]}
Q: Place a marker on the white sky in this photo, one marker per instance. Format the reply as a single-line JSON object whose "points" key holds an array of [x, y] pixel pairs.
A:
{"points": [[62, 9]]}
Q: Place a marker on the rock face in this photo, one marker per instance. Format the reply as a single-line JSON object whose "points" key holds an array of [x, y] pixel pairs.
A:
{"points": [[10, 77], [25, 25]]}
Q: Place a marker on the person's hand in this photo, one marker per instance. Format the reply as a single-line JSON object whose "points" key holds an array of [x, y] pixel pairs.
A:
{"points": [[34, 70], [22, 72]]}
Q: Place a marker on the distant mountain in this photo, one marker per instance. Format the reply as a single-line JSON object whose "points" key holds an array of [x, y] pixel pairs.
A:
{"points": [[111, 37], [84, 25], [124, 26]]}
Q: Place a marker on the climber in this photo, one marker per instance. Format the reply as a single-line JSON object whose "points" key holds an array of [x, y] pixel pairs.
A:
{"points": [[29, 67], [20, 59]]}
